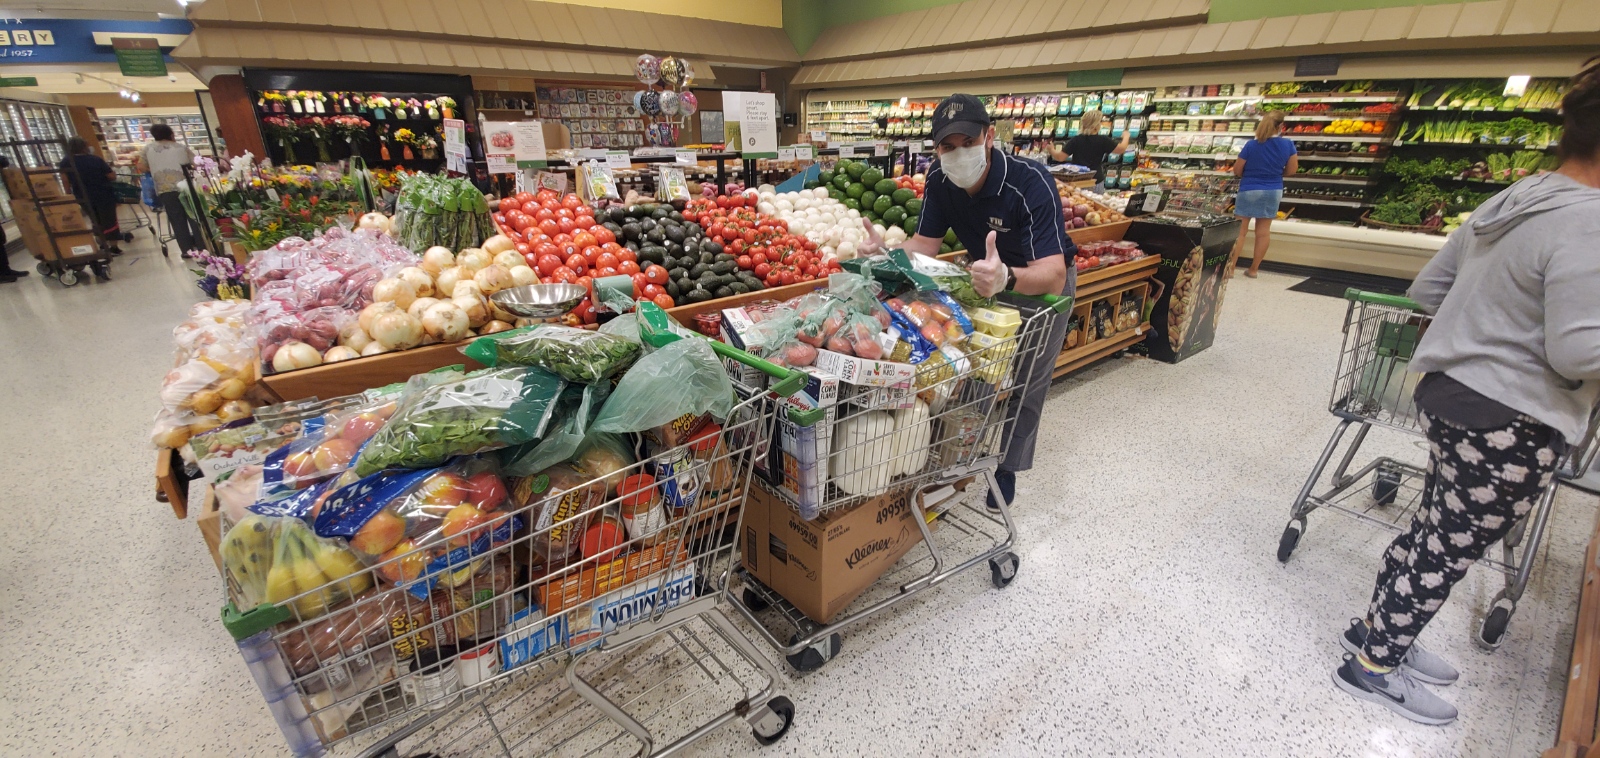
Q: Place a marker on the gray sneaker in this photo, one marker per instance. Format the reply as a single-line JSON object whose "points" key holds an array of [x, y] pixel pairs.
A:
{"points": [[1425, 666], [1397, 690]]}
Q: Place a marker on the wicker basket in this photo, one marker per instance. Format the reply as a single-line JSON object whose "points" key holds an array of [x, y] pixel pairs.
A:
{"points": [[1431, 227]]}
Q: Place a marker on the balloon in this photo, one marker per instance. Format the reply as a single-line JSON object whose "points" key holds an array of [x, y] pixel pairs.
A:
{"points": [[669, 103], [686, 73], [671, 71], [688, 103], [650, 104], [638, 97], [647, 68]]}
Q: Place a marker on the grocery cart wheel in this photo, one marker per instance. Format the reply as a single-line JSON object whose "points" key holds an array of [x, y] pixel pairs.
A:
{"points": [[1385, 485], [812, 658], [68, 277], [102, 271], [754, 601], [1002, 569], [1290, 539], [1493, 631], [775, 722], [43, 268]]}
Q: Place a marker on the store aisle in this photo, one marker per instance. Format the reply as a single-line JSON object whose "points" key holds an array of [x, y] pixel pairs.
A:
{"points": [[1149, 614]]}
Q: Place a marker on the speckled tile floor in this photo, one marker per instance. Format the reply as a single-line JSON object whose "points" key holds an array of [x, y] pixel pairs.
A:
{"points": [[1149, 615]]}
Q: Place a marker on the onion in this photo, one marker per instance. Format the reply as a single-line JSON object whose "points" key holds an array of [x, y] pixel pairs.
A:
{"points": [[445, 321], [293, 355], [373, 348], [233, 410], [397, 291], [445, 282], [510, 259], [437, 259], [421, 305], [354, 337], [420, 280], [493, 278], [465, 288], [372, 312], [494, 326], [374, 220], [473, 259], [476, 308], [339, 353], [397, 331], [496, 313], [499, 244], [522, 276]]}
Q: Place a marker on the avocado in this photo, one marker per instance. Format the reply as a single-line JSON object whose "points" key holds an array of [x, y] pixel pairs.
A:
{"points": [[678, 272], [725, 267], [711, 246], [631, 231], [653, 254], [886, 187], [739, 288], [696, 296], [723, 291], [672, 289], [868, 198], [699, 270], [902, 196]]}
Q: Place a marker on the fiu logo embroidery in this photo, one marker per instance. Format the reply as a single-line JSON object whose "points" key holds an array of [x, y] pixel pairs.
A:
{"points": [[997, 224], [952, 109]]}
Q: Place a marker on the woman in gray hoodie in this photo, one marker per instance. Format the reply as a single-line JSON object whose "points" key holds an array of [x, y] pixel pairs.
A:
{"points": [[1511, 367]]}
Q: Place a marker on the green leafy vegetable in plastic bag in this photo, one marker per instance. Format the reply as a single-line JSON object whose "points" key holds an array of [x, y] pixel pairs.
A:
{"points": [[577, 355], [487, 410], [681, 378], [574, 411]]}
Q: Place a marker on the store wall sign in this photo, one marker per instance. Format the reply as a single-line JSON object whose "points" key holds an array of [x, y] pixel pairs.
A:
{"points": [[19, 81], [139, 56], [1095, 77], [60, 40], [1317, 65]]}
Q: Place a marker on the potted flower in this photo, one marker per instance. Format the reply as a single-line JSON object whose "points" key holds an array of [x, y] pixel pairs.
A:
{"points": [[353, 129], [316, 127], [447, 106], [427, 145], [399, 104], [433, 108], [415, 106], [379, 105], [294, 101], [272, 102], [406, 138], [383, 143], [285, 131]]}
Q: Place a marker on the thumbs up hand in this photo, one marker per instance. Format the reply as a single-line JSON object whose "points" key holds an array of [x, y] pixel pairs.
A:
{"points": [[989, 275], [873, 244]]}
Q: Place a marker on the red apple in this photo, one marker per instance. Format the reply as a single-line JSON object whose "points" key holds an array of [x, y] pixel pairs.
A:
{"points": [[380, 534], [334, 454], [361, 427], [300, 465], [408, 567], [486, 491], [459, 523], [443, 488]]}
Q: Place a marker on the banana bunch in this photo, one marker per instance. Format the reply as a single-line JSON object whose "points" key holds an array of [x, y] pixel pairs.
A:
{"points": [[291, 563]]}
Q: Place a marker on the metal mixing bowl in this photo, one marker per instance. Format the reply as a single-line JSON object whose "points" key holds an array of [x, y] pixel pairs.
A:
{"points": [[540, 300]]}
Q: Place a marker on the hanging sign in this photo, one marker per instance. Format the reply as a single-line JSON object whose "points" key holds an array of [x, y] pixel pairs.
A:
{"points": [[510, 145], [757, 123], [455, 145], [136, 56]]}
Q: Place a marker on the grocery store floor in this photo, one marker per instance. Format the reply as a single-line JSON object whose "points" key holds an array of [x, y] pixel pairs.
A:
{"points": [[1149, 616]]}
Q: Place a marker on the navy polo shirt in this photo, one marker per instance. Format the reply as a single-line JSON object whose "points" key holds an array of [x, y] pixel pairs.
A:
{"points": [[1018, 200]]}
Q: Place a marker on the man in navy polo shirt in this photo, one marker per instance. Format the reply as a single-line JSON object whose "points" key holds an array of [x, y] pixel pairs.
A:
{"points": [[1008, 208]]}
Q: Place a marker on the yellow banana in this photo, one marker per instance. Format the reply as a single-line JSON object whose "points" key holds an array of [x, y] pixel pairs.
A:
{"points": [[338, 563], [307, 576]]}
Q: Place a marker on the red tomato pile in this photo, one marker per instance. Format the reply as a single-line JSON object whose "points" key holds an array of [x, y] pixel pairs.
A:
{"points": [[559, 238], [915, 184], [759, 243]]}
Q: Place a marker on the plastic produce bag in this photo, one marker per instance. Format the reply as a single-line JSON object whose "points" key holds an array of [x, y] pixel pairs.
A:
{"points": [[683, 378], [604, 456], [857, 292], [626, 326], [276, 560], [327, 446], [418, 528], [577, 355], [574, 412], [560, 503], [487, 410]]}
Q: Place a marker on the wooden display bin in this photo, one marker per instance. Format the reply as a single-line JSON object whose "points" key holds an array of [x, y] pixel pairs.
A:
{"points": [[360, 374], [1111, 231], [1580, 711]]}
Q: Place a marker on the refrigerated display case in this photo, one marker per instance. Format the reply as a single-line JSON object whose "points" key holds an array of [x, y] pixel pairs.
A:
{"points": [[125, 135]]}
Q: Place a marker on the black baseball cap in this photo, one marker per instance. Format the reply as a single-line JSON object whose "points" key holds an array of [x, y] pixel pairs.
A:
{"points": [[959, 114]]}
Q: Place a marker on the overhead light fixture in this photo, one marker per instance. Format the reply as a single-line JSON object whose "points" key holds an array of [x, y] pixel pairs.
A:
{"points": [[1516, 85], [80, 78], [134, 97]]}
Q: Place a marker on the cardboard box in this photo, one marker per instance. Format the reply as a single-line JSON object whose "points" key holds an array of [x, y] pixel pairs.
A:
{"points": [[66, 217], [45, 184], [822, 566], [863, 371]]}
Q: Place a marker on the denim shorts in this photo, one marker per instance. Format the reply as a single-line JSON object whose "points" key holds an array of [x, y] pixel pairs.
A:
{"points": [[1257, 203]]}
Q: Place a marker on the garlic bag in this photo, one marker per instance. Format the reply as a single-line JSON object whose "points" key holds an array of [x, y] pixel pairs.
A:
{"points": [[862, 446]]}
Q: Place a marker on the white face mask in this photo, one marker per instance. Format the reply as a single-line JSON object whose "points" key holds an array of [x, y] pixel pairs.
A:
{"points": [[964, 165]]}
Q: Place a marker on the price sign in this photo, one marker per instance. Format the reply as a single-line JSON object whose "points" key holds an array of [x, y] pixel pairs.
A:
{"points": [[845, 151], [686, 157], [805, 152], [618, 159], [785, 153], [819, 136], [880, 149]]}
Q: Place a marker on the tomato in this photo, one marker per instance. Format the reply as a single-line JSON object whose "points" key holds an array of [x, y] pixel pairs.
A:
{"points": [[745, 262], [790, 278], [570, 201], [603, 235], [547, 263], [584, 239], [577, 262], [564, 275], [543, 195], [715, 231], [544, 214], [586, 311], [736, 201], [520, 222], [585, 282], [665, 301], [605, 260], [722, 201], [639, 282], [584, 222], [762, 269], [736, 246], [628, 267], [649, 291], [624, 254], [655, 274], [611, 247], [549, 227], [772, 279], [599, 272], [566, 225], [758, 256], [500, 218], [545, 248]]}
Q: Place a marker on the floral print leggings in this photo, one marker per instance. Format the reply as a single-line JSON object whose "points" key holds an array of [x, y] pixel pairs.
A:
{"points": [[1479, 482]]}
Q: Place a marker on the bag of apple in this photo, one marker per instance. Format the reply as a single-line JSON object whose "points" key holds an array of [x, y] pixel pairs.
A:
{"points": [[418, 528], [327, 446]]}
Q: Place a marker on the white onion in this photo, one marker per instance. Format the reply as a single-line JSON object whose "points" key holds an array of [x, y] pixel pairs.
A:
{"points": [[473, 259], [373, 348], [522, 275], [374, 220], [397, 331], [421, 305], [372, 312], [509, 259], [420, 281], [445, 321], [819, 192], [437, 258], [397, 291], [295, 354], [476, 308], [496, 313], [354, 337], [499, 244], [466, 288], [339, 353], [445, 283], [493, 278], [767, 208], [494, 326]]}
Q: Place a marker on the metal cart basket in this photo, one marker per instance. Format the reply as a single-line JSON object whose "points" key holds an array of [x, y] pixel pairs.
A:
{"points": [[622, 652], [950, 427], [1373, 387]]}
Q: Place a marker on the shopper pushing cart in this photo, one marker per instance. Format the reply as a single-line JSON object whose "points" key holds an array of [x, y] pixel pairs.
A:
{"points": [[1507, 377]]}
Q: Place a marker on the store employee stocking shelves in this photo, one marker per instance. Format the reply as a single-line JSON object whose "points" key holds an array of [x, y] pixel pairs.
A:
{"points": [[1006, 209]]}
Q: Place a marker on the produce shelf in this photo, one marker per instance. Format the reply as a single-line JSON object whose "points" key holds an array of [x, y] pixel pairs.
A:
{"points": [[1101, 280], [1477, 145], [1206, 134], [1336, 117], [1336, 203], [1334, 99], [1331, 178], [1203, 117], [1337, 137], [1341, 159], [1202, 171], [1072, 360], [1431, 109], [1195, 156], [1211, 99]]}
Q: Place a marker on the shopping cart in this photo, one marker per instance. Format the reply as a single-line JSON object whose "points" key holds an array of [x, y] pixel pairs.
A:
{"points": [[950, 429], [644, 617], [1373, 387]]}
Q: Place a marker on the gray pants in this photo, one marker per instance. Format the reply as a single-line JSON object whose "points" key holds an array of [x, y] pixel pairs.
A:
{"points": [[1023, 430], [183, 228]]}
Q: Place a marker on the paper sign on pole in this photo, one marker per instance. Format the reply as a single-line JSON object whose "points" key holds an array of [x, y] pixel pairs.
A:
{"points": [[805, 152], [455, 145], [685, 157], [756, 117], [511, 145], [880, 148], [785, 153], [553, 180], [618, 159]]}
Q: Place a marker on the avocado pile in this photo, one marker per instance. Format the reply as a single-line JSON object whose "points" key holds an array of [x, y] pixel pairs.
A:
{"points": [[697, 268], [864, 188]]}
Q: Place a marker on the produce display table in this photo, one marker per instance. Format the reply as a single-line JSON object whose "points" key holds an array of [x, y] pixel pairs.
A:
{"points": [[1101, 284], [1580, 713]]}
